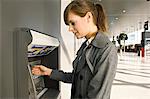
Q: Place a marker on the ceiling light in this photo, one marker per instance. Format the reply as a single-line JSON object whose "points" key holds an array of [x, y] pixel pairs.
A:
{"points": [[123, 11], [116, 18]]}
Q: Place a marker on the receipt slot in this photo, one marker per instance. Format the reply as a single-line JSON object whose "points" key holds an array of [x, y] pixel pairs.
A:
{"points": [[34, 48]]}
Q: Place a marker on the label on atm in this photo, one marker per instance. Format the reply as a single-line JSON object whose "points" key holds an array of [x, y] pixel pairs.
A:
{"points": [[39, 50]]}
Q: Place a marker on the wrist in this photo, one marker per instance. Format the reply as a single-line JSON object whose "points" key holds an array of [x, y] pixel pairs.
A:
{"points": [[48, 72]]}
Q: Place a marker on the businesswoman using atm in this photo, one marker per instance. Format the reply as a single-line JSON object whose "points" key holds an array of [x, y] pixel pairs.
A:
{"points": [[95, 65]]}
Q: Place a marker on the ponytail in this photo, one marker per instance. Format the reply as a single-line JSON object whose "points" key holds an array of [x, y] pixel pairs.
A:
{"points": [[101, 18]]}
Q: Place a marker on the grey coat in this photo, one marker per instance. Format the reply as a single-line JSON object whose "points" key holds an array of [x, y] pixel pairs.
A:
{"points": [[93, 70]]}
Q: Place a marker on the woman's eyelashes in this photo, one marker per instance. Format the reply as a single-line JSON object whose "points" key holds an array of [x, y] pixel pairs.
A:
{"points": [[71, 23]]}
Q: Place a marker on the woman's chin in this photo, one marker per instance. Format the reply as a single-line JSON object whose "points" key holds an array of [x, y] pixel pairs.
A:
{"points": [[78, 37]]}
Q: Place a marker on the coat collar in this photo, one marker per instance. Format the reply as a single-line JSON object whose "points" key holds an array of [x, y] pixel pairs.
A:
{"points": [[100, 40]]}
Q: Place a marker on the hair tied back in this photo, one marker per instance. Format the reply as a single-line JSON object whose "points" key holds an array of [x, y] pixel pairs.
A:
{"points": [[96, 2]]}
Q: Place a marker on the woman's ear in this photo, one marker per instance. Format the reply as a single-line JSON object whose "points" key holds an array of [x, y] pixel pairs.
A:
{"points": [[89, 17]]}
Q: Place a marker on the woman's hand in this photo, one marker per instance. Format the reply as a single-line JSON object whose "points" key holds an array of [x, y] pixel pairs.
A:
{"points": [[41, 70]]}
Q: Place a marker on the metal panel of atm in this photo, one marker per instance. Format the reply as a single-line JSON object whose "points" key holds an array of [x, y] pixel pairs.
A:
{"points": [[40, 49]]}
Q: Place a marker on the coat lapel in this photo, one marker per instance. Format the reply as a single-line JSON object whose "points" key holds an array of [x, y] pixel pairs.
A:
{"points": [[79, 62]]}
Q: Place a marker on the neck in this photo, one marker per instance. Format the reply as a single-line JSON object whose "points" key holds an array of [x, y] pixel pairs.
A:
{"points": [[92, 33]]}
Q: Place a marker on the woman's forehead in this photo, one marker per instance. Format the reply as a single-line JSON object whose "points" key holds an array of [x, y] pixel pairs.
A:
{"points": [[72, 16]]}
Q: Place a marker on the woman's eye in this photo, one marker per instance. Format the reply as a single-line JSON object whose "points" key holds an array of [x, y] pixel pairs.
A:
{"points": [[72, 23]]}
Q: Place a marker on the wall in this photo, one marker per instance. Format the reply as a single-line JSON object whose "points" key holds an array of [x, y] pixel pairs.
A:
{"points": [[67, 51], [52, 13], [0, 51], [23, 13], [16, 13]]}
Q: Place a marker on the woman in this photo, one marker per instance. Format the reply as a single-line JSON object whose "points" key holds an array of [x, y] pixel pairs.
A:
{"points": [[94, 67]]}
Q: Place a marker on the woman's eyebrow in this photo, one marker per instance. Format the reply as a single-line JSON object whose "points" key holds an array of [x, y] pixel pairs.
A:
{"points": [[70, 21]]}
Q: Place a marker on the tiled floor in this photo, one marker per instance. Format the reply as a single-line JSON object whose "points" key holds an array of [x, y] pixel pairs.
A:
{"points": [[132, 80]]}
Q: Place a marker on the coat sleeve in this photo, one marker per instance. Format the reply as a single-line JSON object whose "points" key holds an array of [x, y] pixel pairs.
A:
{"points": [[100, 85], [59, 75]]}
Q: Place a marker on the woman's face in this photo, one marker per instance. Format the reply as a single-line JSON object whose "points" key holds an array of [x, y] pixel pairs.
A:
{"points": [[78, 25]]}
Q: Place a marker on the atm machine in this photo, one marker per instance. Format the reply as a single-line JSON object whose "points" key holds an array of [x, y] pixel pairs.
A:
{"points": [[34, 48]]}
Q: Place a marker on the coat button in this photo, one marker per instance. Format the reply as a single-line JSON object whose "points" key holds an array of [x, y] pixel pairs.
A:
{"points": [[89, 46], [80, 96], [81, 77]]}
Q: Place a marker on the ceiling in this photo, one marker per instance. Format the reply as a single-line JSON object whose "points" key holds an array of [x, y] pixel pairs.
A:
{"points": [[136, 13]]}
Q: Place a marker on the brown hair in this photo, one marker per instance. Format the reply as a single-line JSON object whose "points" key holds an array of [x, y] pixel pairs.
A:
{"points": [[81, 7]]}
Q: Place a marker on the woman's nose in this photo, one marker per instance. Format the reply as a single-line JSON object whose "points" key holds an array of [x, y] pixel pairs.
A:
{"points": [[71, 29]]}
